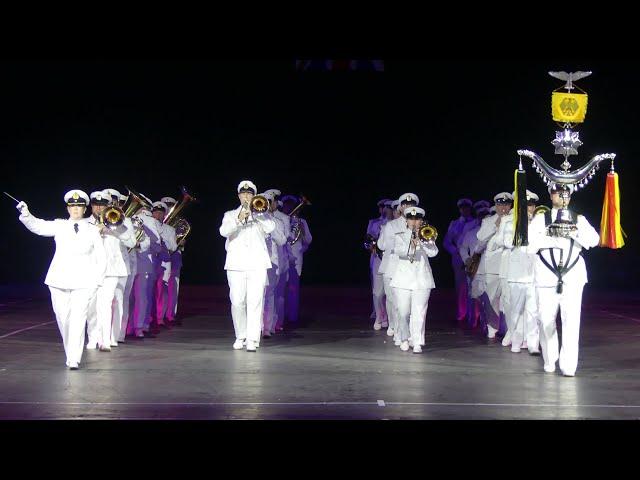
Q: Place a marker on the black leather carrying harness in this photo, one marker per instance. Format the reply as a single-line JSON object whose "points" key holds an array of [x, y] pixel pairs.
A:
{"points": [[558, 268]]}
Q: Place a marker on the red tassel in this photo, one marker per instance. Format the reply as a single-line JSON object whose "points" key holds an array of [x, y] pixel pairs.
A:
{"points": [[611, 233]]}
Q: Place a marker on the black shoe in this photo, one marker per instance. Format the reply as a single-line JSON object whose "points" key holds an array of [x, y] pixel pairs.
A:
{"points": [[149, 334]]}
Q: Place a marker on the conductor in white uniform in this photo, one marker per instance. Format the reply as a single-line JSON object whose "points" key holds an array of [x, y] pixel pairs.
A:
{"points": [[76, 271]]}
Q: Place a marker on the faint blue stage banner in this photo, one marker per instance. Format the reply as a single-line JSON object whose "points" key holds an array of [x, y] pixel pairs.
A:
{"points": [[307, 65]]}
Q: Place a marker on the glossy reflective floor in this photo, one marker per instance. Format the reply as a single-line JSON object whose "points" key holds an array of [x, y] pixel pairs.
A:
{"points": [[335, 366]]}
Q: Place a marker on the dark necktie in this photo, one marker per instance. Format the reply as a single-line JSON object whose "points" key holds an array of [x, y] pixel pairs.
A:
{"points": [[75, 227]]}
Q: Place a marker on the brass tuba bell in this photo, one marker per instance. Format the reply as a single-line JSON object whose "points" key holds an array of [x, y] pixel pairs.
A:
{"points": [[134, 202], [172, 216], [182, 226]]}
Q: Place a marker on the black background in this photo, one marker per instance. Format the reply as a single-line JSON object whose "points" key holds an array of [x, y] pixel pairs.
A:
{"points": [[441, 129]]}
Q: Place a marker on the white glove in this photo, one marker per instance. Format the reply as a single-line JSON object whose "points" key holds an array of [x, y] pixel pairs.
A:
{"points": [[23, 209]]}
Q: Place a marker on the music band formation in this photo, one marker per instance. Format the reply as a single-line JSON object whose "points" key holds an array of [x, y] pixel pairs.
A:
{"points": [[516, 265], [116, 273], [500, 287]]}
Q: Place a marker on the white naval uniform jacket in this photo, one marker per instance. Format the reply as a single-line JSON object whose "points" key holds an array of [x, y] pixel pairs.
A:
{"points": [[374, 228], [386, 243], [276, 240], [79, 260], [145, 256], [455, 234], [128, 243], [168, 244], [283, 251], [469, 240], [496, 243], [168, 240], [145, 243], [245, 245], [585, 237], [114, 241], [296, 251], [491, 259], [416, 275], [521, 261]]}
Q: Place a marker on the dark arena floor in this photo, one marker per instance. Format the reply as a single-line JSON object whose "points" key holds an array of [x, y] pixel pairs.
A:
{"points": [[334, 366]]}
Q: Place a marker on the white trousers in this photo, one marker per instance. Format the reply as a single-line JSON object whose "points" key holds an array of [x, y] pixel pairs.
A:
{"points": [[281, 289], [104, 309], [493, 290], [93, 331], [390, 303], [173, 288], [570, 304], [270, 316], [161, 296], [141, 286], [150, 293], [377, 288], [412, 311], [462, 287], [71, 308], [478, 285], [118, 309], [504, 295], [522, 317], [126, 302], [292, 303], [246, 292]]}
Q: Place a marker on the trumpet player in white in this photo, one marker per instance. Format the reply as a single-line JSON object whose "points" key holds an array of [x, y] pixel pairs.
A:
{"points": [[101, 314], [452, 242], [296, 250], [275, 241], [472, 265], [169, 245], [521, 312], [377, 281], [491, 262], [76, 270], [246, 264], [412, 279], [283, 260], [173, 284], [105, 314], [145, 271]]}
